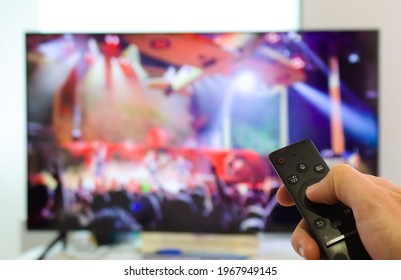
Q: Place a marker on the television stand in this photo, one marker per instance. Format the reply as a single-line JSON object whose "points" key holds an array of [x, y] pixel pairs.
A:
{"points": [[152, 245], [62, 236]]}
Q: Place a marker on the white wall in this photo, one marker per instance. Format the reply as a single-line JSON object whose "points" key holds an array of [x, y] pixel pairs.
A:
{"points": [[15, 16], [18, 16], [386, 17]]}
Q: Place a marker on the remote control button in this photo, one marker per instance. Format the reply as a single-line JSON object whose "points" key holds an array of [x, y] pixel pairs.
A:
{"points": [[343, 225], [281, 161], [319, 223], [302, 167], [340, 256], [317, 208], [335, 240], [336, 224], [347, 211], [319, 168], [340, 238], [293, 179]]}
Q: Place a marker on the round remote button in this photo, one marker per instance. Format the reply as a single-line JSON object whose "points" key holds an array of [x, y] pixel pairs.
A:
{"points": [[336, 223], [318, 208], [302, 167], [302, 196], [340, 256], [281, 160], [319, 223]]}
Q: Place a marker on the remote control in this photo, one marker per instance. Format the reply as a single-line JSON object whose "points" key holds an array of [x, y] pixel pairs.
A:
{"points": [[300, 165]]}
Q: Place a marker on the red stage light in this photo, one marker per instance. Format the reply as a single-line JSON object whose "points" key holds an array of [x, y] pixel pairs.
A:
{"points": [[160, 43]]}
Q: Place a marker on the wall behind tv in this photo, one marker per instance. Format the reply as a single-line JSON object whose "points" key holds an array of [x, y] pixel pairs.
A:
{"points": [[15, 17], [19, 16]]}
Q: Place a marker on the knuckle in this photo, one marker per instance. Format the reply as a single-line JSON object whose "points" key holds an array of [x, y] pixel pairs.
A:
{"points": [[341, 170]]}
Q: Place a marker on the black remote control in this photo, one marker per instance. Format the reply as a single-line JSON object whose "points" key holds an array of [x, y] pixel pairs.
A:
{"points": [[300, 165]]}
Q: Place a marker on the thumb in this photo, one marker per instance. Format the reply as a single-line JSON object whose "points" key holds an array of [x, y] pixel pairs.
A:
{"points": [[342, 183]]}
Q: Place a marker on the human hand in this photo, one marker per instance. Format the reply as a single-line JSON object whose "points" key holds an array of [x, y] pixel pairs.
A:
{"points": [[375, 202]]}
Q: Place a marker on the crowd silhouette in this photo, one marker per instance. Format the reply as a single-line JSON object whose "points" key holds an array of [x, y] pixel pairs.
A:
{"points": [[231, 202]]}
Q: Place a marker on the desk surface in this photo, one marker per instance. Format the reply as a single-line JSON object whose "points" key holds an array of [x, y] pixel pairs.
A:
{"points": [[262, 246]]}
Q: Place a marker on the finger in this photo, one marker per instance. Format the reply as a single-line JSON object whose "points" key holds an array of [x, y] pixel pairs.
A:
{"points": [[303, 243], [342, 183], [283, 197]]}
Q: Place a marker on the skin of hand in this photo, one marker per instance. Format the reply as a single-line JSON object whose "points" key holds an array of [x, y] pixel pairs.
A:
{"points": [[376, 205]]}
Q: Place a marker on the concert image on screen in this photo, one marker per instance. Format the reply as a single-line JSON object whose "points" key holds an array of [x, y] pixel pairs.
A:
{"points": [[171, 131]]}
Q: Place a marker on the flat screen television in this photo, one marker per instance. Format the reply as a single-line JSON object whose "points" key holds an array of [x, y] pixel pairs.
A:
{"points": [[171, 131]]}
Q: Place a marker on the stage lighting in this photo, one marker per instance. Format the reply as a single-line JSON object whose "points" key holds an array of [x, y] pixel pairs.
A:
{"points": [[112, 40], [298, 63], [354, 58], [296, 37], [273, 38], [245, 81]]}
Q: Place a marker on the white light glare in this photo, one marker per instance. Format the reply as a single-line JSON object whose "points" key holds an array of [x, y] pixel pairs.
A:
{"points": [[245, 81]]}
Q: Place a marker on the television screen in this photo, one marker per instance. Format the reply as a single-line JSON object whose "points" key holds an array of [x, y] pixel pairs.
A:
{"points": [[171, 131]]}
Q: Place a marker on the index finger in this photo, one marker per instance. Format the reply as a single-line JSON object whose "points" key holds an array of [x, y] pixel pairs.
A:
{"points": [[283, 197]]}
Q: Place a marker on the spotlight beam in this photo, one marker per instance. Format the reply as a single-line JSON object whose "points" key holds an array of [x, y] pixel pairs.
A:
{"points": [[359, 124]]}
